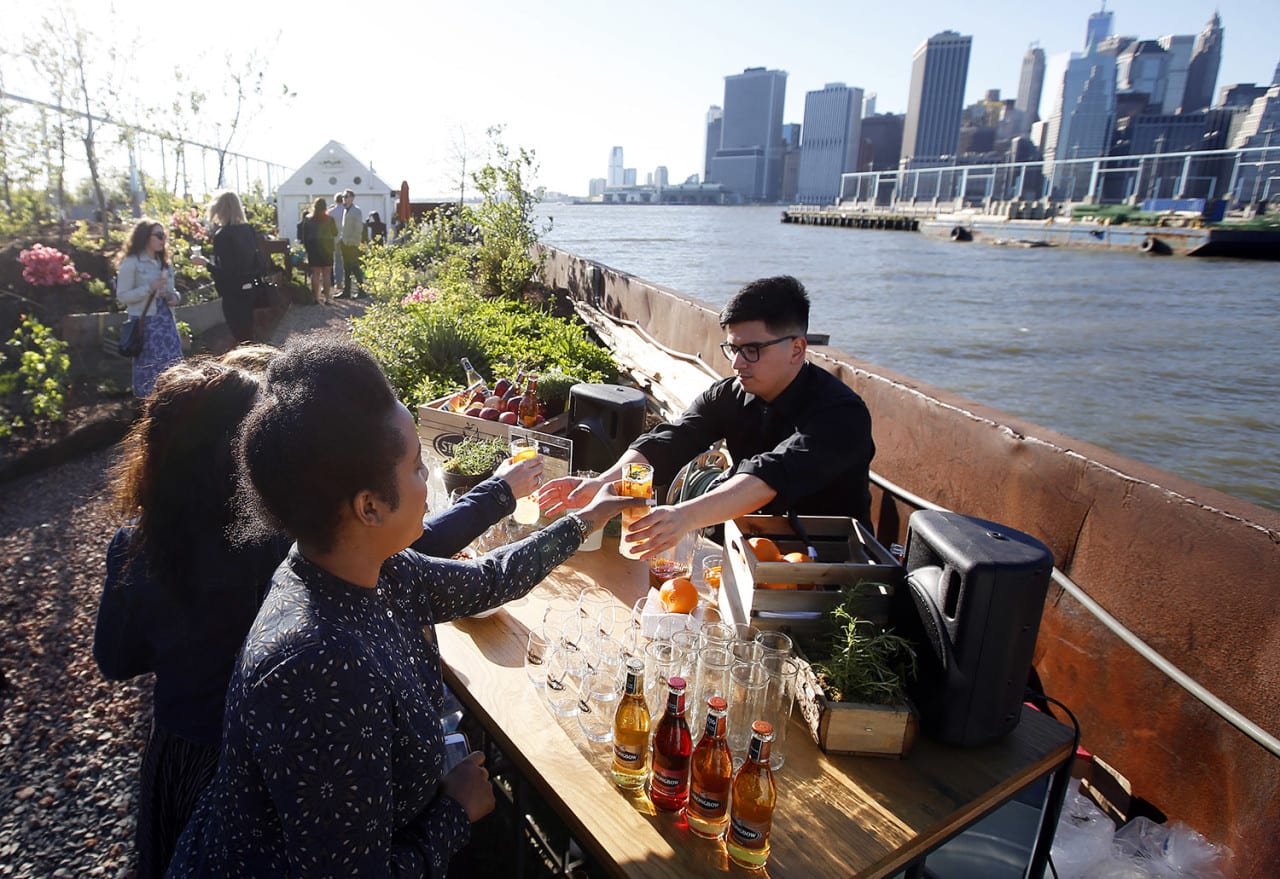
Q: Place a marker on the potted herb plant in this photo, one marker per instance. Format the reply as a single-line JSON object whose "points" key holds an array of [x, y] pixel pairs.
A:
{"points": [[852, 692], [553, 391], [473, 460]]}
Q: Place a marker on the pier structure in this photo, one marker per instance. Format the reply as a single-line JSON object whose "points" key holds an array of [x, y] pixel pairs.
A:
{"points": [[1247, 178]]}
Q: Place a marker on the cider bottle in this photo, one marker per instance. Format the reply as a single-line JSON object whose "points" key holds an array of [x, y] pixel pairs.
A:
{"points": [[474, 378], [631, 731], [529, 412], [669, 781], [754, 795], [710, 772]]}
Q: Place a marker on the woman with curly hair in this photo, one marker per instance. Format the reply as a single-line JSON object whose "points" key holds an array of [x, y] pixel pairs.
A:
{"points": [[179, 594], [333, 758], [144, 286]]}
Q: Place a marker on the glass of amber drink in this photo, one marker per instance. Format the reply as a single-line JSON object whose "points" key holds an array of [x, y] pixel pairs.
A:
{"points": [[637, 482], [527, 512]]}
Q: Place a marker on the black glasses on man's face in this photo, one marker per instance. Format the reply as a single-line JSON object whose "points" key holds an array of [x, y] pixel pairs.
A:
{"points": [[751, 350]]}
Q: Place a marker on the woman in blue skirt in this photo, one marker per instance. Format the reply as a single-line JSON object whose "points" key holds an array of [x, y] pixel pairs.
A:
{"points": [[144, 282]]}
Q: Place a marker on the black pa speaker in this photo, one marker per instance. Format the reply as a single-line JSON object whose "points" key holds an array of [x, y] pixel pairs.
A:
{"points": [[603, 421], [974, 594]]}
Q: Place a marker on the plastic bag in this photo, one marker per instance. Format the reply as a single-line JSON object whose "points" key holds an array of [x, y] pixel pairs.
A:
{"points": [[1173, 850], [1083, 837]]}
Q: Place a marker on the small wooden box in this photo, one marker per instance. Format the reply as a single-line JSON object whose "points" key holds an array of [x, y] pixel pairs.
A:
{"points": [[851, 727], [847, 554]]}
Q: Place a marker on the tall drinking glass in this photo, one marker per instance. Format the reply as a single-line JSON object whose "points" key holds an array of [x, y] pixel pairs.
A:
{"points": [[637, 482], [750, 682], [714, 666], [527, 512], [542, 641], [661, 660], [774, 642], [597, 703], [779, 696], [565, 671]]}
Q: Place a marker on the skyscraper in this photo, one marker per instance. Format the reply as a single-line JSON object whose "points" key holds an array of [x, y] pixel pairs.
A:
{"points": [[1202, 73], [939, 70], [1143, 68], [615, 167], [832, 138], [715, 122], [1030, 86], [749, 161], [1081, 125], [1099, 27], [1179, 48]]}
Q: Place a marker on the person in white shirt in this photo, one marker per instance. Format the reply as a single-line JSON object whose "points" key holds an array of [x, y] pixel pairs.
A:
{"points": [[350, 233]]}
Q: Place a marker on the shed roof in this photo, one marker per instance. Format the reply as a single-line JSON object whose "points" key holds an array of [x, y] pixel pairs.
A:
{"points": [[332, 168]]}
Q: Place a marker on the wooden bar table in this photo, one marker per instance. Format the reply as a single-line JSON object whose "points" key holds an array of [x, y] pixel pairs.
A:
{"points": [[836, 816]]}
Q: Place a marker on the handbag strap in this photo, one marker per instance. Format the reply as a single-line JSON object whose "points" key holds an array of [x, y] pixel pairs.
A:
{"points": [[148, 305]]}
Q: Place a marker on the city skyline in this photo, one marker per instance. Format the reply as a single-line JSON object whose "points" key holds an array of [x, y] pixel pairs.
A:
{"points": [[572, 80]]}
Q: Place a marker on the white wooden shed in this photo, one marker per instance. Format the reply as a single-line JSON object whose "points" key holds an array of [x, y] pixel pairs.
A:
{"points": [[332, 169]]}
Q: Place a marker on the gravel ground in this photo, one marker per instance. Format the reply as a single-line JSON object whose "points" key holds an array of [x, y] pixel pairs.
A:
{"points": [[70, 742]]}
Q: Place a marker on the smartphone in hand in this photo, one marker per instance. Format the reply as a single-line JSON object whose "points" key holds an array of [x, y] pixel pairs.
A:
{"points": [[456, 749]]}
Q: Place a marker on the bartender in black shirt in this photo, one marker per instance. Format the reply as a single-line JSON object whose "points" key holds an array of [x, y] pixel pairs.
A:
{"points": [[800, 438]]}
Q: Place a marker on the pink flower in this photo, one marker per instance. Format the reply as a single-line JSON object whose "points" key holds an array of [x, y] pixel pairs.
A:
{"points": [[48, 267], [421, 294]]}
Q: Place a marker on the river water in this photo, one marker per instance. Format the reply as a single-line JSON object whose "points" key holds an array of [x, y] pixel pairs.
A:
{"points": [[1171, 361]]}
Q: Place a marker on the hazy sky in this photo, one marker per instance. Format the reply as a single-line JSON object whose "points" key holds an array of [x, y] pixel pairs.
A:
{"points": [[401, 83]]}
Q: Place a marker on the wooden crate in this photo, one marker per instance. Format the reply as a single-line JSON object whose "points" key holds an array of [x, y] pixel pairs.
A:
{"points": [[847, 555], [441, 429], [854, 728]]}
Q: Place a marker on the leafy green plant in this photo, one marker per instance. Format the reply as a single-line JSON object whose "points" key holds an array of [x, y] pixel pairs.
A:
{"points": [[862, 661], [475, 456], [506, 222], [553, 389], [33, 381], [419, 344]]}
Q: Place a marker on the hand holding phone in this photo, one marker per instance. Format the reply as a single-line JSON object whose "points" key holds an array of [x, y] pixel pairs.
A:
{"points": [[468, 783]]}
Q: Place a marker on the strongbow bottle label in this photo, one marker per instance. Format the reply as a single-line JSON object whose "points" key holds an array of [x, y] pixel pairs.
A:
{"points": [[706, 803], [628, 756]]}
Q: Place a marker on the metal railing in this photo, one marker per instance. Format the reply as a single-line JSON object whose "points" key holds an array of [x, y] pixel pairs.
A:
{"points": [[1242, 176]]}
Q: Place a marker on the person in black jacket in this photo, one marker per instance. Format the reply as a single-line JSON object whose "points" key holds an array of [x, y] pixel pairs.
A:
{"points": [[238, 261], [319, 233]]}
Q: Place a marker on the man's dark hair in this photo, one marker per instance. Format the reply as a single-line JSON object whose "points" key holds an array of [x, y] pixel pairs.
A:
{"points": [[321, 432], [780, 303]]}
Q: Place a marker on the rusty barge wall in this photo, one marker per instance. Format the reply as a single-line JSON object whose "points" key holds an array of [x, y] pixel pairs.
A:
{"points": [[1191, 571]]}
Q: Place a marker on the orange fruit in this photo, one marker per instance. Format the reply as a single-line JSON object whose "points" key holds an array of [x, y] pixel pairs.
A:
{"points": [[765, 549], [796, 557], [679, 595]]}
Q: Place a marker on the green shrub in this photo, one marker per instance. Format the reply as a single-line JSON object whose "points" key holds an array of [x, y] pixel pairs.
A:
{"points": [[33, 377], [419, 345]]}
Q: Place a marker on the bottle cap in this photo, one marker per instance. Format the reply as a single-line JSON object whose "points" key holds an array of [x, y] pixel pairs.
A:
{"points": [[635, 665], [677, 683], [717, 703], [764, 729]]}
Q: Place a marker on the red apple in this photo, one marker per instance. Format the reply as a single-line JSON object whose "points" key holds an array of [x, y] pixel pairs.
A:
{"points": [[503, 385], [513, 405], [479, 395], [488, 413], [474, 410], [507, 418]]}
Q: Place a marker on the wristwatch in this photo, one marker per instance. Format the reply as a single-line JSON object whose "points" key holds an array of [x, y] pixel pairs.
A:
{"points": [[583, 528]]}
